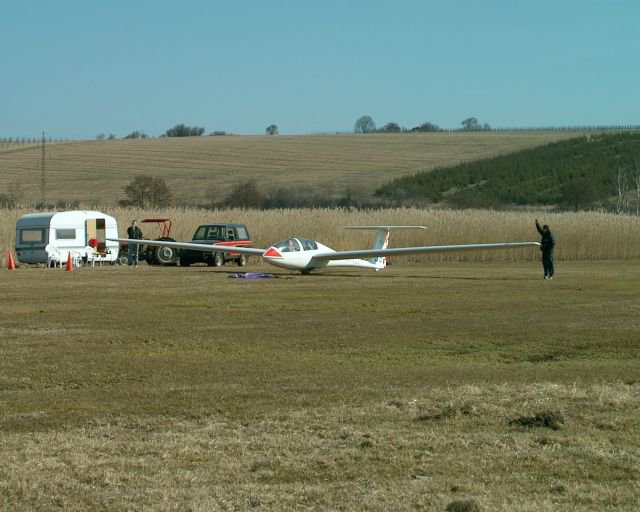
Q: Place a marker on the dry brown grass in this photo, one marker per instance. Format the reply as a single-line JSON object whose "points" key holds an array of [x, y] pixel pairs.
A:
{"points": [[95, 172], [181, 389], [580, 236]]}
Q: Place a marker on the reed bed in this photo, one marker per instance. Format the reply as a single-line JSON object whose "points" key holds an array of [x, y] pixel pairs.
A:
{"points": [[580, 236]]}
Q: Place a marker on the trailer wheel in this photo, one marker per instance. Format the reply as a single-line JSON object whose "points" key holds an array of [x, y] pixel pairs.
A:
{"points": [[242, 260], [218, 259]]}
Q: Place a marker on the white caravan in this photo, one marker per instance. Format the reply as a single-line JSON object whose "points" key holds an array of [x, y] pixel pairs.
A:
{"points": [[50, 237]]}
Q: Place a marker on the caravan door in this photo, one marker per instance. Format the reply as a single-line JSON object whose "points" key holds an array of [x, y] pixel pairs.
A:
{"points": [[97, 230]]}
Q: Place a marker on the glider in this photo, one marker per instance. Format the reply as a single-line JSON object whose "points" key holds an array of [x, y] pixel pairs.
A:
{"points": [[305, 255]]}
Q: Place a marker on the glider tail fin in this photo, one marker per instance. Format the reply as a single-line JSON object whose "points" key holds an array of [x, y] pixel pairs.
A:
{"points": [[382, 241]]}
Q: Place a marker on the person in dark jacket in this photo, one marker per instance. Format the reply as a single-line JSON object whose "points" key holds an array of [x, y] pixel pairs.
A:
{"points": [[547, 244], [134, 232]]}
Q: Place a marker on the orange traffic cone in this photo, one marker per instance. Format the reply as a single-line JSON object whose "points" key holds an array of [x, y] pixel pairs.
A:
{"points": [[69, 262], [11, 265]]}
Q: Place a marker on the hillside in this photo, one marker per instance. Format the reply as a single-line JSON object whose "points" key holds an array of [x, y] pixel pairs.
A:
{"points": [[199, 170], [579, 172]]}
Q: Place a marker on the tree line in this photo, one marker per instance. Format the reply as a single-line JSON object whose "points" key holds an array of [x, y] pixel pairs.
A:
{"points": [[580, 173], [366, 124], [181, 130], [153, 192]]}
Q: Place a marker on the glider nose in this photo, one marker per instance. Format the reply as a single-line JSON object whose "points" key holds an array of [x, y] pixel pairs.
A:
{"points": [[272, 252]]}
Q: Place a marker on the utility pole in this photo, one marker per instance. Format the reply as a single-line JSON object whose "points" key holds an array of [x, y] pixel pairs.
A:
{"points": [[42, 181]]}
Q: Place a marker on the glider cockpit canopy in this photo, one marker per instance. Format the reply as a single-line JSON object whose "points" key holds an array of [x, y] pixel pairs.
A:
{"points": [[296, 244]]}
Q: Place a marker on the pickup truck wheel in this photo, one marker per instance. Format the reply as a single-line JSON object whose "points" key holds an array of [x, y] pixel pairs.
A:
{"points": [[218, 259], [242, 260]]}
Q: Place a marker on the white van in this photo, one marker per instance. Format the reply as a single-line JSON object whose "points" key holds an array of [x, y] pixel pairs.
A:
{"points": [[50, 237]]}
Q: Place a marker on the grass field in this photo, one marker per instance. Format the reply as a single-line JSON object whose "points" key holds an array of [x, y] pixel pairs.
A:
{"points": [[459, 387], [201, 169]]}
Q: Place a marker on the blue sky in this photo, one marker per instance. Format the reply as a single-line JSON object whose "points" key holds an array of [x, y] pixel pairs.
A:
{"points": [[79, 68]]}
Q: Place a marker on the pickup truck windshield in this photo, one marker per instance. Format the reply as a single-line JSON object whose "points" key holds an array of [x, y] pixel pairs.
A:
{"points": [[209, 233]]}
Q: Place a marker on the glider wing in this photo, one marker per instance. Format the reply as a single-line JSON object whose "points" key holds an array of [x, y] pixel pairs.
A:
{"points": [[194, 247], [400, 251]]}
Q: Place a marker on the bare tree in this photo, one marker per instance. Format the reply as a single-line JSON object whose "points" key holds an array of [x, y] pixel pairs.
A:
{"points": [[137, 134], [182, 130], [246, 195], [471, 124], [391, 128], [426, 127], [365, 124], [147, 191], [622, 186]]}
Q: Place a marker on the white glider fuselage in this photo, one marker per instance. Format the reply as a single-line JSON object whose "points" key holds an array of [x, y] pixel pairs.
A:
{"points": [[309, 255]]}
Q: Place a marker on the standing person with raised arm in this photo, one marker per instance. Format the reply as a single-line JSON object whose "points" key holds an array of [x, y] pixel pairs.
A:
{"points": [[547, 245]]}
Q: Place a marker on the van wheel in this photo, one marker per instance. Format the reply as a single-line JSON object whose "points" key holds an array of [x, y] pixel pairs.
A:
{"points": [[242, 260], [218, 259]]}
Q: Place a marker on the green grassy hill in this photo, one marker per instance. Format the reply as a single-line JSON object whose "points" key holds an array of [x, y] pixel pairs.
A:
{"points": [[578, 172], [201, 170]]}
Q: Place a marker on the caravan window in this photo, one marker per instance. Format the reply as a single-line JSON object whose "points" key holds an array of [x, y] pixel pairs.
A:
{"points": [[65, 234], [32, 236]]}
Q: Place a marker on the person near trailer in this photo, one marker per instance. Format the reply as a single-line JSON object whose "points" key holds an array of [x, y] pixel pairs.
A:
{"points": [[547, 245], [134, 233]]}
